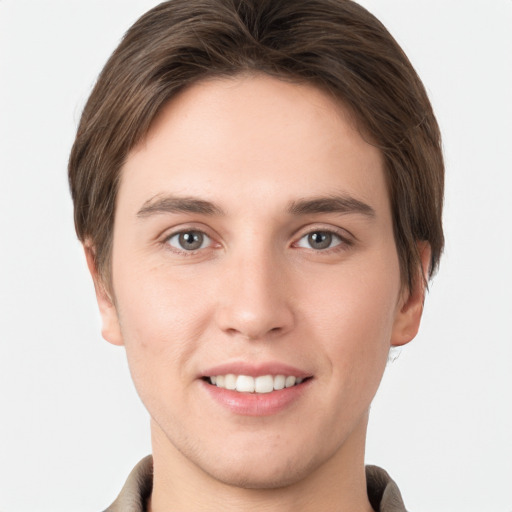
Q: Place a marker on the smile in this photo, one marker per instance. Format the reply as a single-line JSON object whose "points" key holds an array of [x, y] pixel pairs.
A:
{"points": [[260, 384]]}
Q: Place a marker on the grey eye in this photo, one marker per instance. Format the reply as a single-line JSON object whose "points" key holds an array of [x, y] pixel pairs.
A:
{"points": [[319, 240], [189, 240]]}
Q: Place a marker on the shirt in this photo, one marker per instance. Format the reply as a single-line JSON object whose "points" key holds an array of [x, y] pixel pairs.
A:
{"points": [[383, 493]]}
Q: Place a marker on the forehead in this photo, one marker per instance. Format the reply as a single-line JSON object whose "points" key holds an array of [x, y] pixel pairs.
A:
{"points": [[253, 135]]}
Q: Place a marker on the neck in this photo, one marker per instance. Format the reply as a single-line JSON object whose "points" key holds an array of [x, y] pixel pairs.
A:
{"points": [[337, 485]]}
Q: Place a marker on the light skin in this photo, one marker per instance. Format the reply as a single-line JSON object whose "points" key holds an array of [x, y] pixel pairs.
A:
{"points": [[253, 231]]}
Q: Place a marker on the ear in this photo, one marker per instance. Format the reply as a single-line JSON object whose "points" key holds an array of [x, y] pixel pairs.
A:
{"points": [[110, 330], [410, 307]]}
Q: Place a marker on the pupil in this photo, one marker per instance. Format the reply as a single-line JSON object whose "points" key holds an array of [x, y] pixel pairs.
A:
{"points": [[191, 240], [320, 240]]}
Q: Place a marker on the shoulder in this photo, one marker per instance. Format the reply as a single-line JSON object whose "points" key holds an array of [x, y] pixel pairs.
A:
{"points": [[137, 489], [383, 492]]}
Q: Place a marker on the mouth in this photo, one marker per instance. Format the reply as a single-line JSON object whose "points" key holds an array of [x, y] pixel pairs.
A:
{"points": [[257, 385], [256, 389]]}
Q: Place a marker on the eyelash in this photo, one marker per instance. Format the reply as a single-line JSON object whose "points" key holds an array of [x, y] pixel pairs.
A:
{"points": [[343, 241], [183, 232]]}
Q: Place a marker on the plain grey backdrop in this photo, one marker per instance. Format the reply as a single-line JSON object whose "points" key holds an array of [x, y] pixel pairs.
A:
{"points": [[71, 425]]}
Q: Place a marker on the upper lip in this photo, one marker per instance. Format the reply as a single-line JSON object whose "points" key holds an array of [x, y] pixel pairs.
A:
{"points": [[255, 370]]}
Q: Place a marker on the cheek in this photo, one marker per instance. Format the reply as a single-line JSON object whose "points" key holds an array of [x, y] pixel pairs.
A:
{"points": [[354, 320], [358, 298], [162, 322], [156, 304]]}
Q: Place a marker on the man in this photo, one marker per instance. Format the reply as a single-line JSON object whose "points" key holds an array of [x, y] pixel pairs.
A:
{"points": [[258, 189]]}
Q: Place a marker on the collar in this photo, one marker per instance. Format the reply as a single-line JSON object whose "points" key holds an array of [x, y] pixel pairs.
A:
{"points": [[383, 493]]}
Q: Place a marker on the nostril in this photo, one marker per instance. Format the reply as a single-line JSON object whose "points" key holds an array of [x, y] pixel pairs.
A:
{"points": [[253, 319]]}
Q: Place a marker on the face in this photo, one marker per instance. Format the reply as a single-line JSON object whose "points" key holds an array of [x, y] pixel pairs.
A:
{"points": [[255, 280]]}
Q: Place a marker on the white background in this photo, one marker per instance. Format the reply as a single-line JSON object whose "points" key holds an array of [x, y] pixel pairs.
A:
{"points": [[71, 425]]}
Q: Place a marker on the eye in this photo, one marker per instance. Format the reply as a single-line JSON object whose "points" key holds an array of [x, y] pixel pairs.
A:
{"points": [[189, 240], [319, 240]]}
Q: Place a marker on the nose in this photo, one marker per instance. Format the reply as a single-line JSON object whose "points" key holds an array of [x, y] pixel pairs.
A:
{"points": [[255, 297]]}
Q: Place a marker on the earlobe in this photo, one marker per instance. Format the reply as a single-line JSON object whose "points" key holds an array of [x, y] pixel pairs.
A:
{"points": [[410, 309], [110, 330]]}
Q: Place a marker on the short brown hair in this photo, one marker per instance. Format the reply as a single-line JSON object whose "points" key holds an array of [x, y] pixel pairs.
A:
{"points": [[334, 44]]}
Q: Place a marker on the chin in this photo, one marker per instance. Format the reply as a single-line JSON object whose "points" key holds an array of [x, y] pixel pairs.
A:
{"points": [[251, 475], [261, 467]]}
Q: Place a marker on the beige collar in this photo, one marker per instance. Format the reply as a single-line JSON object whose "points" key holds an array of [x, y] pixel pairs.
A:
{"points": [[383, 493]]}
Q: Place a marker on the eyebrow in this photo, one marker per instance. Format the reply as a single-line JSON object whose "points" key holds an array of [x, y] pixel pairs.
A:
{"points": [[173, 204], [316, 205], [332, 204]]}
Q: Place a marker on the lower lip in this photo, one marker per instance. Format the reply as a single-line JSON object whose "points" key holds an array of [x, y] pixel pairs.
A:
{"points": [[256, 404]]}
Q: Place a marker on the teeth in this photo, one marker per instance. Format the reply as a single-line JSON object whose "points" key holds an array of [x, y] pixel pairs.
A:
{"points": [[264, 384], [230, 381], [245, 384], [289, 382], [279, 382], [261, 384]]}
